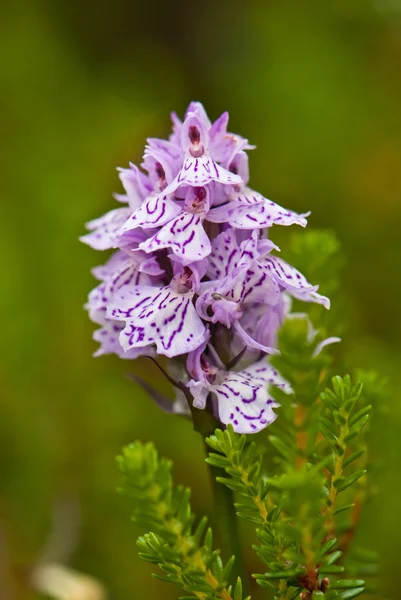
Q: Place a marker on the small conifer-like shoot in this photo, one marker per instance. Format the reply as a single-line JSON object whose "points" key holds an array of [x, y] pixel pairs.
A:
{"points": [[194, 277]]}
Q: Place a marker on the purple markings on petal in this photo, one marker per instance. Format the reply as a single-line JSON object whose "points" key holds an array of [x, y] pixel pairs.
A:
{"points": [[293, 281], [249, 210], [103, 230], [160, 316]]}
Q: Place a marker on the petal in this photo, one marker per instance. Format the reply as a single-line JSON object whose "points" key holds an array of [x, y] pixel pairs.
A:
{"points": [[263, 372], [193, 363], [324, 343], [160, 167], [199, 392], [244, 402], [97, 304], [172, 151], [175, 137], [249, 210], [136, 184], [199, 171], [251, 342], [115, 262], [198, 109], [108, 338], [185, 235], [156, 211], [293, 281], [224, 256], [127, 273], [158, 316], [104, 229], [253, 285]]}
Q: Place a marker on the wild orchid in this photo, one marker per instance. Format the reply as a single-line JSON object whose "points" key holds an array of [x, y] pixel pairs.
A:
{"points": [[194, 277]]}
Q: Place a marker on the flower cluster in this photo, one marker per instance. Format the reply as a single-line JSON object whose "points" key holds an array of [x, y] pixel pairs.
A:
{"points": [[194, 272]]}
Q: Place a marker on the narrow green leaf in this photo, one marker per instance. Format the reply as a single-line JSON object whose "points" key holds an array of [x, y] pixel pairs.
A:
{"points": [[327, 546], [331, 569], [353, 457], [351, 480], [238, 590], [347, 583], [281, 447], [334, 557], [342, 508], [361, 413], [228, 569], [349, 594]]}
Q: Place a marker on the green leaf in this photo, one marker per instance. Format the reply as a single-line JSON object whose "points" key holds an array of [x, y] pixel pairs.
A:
{"points": [[238, 590], [347, 583], [361, 413], [282, 447], [349, 594], [353, 457], [331, 569], [343, 508], [351, 480]]}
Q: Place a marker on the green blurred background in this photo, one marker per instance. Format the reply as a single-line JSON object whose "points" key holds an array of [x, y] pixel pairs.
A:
{"points": [[317, 87]]}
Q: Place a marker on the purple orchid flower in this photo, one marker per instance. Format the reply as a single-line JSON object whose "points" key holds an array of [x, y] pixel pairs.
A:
{"points": [[194, 274]]}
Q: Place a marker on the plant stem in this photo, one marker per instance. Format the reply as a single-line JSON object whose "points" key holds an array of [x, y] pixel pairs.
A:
{"points": [[226, 518], [226, 521]]}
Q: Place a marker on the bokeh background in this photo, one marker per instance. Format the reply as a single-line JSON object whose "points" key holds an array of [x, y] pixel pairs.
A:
{"points": [[317, 87]]}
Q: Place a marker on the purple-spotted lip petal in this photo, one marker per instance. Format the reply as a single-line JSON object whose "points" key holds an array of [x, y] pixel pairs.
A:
{"points": [[159, 316]]}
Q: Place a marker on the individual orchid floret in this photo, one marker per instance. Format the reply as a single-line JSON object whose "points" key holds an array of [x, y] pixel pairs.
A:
{"points": [[162, 316], [121, 269], [246, 209], [199, 168], [240, 398], [292, 280], [136, 184], [185, 234], [103, 230]]}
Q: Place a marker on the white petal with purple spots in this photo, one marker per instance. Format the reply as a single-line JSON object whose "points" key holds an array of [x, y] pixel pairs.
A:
{"points": [[249, 210], [103, 230], [108, 338], [156, 211], [158, 316], [185, 235], [293, 281], [199, 171]]}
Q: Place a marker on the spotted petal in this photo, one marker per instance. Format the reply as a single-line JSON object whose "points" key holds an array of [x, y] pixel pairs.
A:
{"points": [[156, 211], [185, 235], [243, 401], [158, 316], [293, 281], [224, 256], [103, 230], [199, 172], [250, 210], [127, 273], [136, 185], [108, 338]]}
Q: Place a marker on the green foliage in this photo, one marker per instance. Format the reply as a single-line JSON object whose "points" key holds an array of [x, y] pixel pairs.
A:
{"points": [[317, 254], [296, 511], [184, 552], [301, 483]]}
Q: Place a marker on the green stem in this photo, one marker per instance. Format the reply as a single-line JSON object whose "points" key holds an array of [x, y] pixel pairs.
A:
{"points": [[226, 521]]}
